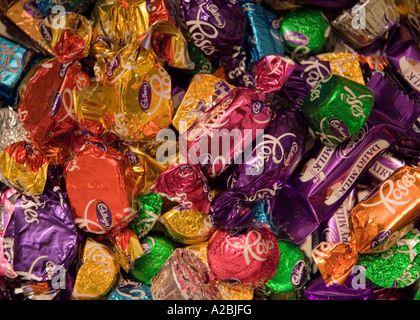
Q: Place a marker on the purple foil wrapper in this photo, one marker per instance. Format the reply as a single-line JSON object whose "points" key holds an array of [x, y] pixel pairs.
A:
{"points": [[385, 166], [304, 76], [218, 29], [318, 290], [274, 157], [315, 192], [45, 238]]}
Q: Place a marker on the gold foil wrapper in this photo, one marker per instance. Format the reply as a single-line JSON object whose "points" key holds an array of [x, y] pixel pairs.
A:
{"points": [[344, 64], [226, 293], [187, 226], [98, 273], [202, 91], [127, 248], [27, 21]]}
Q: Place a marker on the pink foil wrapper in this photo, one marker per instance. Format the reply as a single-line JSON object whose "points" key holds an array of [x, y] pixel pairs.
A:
{"points": [[271, 72], [184, 277], [244, 259], [241, 116]]}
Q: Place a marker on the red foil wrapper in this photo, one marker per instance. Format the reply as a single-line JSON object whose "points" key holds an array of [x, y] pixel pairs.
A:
{"points": [[185, 184], [218, 137], [271, 72], [246, 259], [101, 203]]}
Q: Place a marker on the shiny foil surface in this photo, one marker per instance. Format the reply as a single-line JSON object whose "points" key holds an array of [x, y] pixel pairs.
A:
{"points": [[245, 259], [11, 129], [130, 290], [344, 64]]}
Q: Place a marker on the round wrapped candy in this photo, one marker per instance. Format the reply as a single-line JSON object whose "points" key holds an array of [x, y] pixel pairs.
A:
{"points": [[244, 259], [184, 277], [157, 250], [130, 290]]}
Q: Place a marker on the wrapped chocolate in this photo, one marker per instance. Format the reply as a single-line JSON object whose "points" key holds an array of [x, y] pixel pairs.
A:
{"points": [[344, 64], [101, 204], [130, 290], [386, 164], [271, 72], [262, 31], [336, 108], [11, 128], [47, 6], [185, 184], [242, 115], [45, 237], [186, 226], [46, 115], [244, 259], [300, 38], [127, 248], [377, 223], [150, 208], [15, 59], [98, 273], [293, 272], [202, 91], [272, 160], [397, 267], [184, 277], [317, 190], [157, 249], [366, 22]]}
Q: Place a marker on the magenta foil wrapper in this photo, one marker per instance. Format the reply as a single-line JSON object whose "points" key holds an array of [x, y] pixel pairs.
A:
{"points": [[219, 136], [45, 236], [185, 184], [316, 191], [318, 290], [274, 157], [271, 72]]}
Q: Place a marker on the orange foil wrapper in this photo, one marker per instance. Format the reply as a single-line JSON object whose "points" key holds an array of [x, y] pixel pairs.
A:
{"points": [[101, 203], [377, 223]]}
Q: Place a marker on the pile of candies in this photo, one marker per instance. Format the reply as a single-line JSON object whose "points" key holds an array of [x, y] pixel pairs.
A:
{"points": [[210, 150]]}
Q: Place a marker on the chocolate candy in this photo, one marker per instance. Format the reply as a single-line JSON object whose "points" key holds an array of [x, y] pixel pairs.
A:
{"points": [[157, 249], [130, 290], [98, 273], [245, 259], [337, 108], [300, 38], [344, 64], [127, 248], [11, 128]]}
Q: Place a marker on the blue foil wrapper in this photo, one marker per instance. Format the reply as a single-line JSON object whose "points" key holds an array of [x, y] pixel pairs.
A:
{"points": [[14, 60], [260, 212], [262, 31], [131, 290]]}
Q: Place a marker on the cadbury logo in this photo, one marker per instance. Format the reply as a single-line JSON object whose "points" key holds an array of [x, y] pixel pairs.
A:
{"points": [[298, 274], [45, 31], [214, 10], [104, 215], [31, 9], [296, 38], [112, 65], [380, 237], [339, 129], [145, 95]]}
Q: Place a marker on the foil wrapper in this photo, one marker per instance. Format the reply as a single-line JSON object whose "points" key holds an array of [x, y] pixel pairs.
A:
{"points": [[202, 92], [262, 31], [234, 259], [344, 64], [47, 6], [157, 249], [386, 164], [98, 273], [127, 248], [300, 38], [184, 277], [130, 290], [393, 218], [242, 115], [186, 226], [271, 72], [150, 208], [184, 184], [336, 108], [366, 22], [317, 189], [12, 130], [101, 204]]}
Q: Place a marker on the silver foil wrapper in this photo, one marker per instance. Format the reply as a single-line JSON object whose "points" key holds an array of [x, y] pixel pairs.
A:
{"points": [[11, 129]]}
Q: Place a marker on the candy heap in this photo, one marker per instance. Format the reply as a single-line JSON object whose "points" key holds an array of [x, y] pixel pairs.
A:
{"points": [[210, 150]]}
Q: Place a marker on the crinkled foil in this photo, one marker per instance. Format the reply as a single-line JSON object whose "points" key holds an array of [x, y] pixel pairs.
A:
{"points": [[11, 129], [344, 64]]}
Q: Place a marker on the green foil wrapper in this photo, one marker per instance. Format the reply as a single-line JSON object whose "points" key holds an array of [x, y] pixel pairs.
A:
{"points": [[336, 108], [305, 32], [150, 209], [157, 250], [398, 267], [292, 273]]}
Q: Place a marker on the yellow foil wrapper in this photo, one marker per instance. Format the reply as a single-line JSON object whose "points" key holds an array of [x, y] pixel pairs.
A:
{"points": [[26, 18], [137, 95], [98, 273], [202, 91], [344, 64], [127, 248], [200, 250], [146, 168], [186, 226]]}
